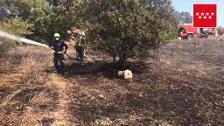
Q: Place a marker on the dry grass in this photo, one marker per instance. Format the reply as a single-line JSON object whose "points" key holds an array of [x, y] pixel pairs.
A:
{"points": [[7, 100], [5, 46], [41, 99], [23, 96]]}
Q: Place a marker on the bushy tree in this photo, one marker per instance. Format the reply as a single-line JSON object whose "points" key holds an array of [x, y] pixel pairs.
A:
{"points": [[33, 11], [48, 16], [165, 15], [127, 28]]}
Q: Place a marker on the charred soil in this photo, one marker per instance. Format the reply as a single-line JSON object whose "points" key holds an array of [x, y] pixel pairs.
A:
{"points": [[185, 87]]}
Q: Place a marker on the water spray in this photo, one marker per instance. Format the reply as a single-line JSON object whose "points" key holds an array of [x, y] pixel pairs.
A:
{"points": [[19, 39], [24, 40]]}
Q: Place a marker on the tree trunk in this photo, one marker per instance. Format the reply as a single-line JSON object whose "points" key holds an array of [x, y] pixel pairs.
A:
{"points": [[114, 59], [122, 58], [122, 61], [103, 57]]}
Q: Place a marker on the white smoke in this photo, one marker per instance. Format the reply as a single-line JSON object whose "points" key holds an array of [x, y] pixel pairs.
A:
{"points": [[19, 39]]}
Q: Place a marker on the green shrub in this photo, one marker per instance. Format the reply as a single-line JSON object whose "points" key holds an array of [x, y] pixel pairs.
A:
{"points": [[15, 26]]}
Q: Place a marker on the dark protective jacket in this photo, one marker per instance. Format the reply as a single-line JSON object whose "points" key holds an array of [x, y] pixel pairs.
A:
{"points": [[59, 46]]}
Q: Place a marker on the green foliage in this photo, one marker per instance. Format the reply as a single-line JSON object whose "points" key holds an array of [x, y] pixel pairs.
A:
{"points": [[220, 30], [16, 26], [47, 19], [57, 20], [126, 28], [184, 17], [28, 9], [164, 14]]}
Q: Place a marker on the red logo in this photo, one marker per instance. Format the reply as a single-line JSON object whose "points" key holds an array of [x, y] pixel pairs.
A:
{"points": [[205, 15]]}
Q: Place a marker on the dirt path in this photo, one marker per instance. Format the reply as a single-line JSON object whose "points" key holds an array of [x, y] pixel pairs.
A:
{"points": [[33, 75], [61, 116]]}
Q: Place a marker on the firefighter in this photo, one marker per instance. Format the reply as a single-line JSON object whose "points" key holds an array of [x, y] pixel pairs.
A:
{"points": [[59, 48], [203, 34], [80, 46]]}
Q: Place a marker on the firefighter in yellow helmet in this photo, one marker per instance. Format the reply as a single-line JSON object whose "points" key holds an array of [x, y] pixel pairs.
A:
{"points": [[59, 48]]}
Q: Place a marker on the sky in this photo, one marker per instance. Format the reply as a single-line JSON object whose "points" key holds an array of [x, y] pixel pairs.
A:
{"points": [[187, 5]]}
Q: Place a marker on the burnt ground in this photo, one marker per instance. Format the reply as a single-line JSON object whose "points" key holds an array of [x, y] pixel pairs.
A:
{"points": [[185, 87]]}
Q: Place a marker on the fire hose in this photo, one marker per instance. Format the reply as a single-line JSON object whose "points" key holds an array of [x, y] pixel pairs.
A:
{"points": [[20, 39], [24, 40]]}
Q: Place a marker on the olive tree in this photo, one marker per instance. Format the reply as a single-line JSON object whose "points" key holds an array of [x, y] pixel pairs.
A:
{"points": [[126, 28]]}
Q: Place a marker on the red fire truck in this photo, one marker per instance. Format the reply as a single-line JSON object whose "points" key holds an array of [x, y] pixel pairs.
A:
{"points": [[187, 31]]}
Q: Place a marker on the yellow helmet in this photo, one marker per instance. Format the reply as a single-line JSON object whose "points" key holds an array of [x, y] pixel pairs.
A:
{"points": [[69, 32], [57, 35]]}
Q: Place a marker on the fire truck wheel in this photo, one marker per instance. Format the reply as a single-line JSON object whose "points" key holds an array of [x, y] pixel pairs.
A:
{"points": [[190, 36]]}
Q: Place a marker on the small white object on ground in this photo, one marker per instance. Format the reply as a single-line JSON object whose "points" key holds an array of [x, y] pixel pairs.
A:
{"points": [[128, 75], [120, 73]]}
